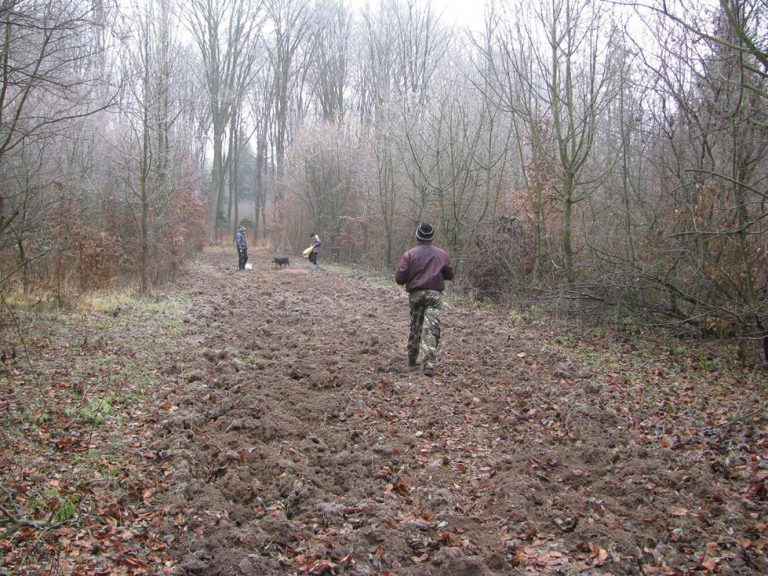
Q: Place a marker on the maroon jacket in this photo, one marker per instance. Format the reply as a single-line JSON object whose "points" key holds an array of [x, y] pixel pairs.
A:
{"points": [[424, 267]]}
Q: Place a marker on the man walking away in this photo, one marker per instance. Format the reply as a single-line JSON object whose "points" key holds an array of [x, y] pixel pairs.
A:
{"points": [[242, 248], [423, 270]]}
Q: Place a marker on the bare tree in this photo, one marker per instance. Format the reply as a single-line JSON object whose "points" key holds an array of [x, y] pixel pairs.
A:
{"points": [[290, 46], [153, 108], [325, 171], [383, 144], [261, 115], [456, 153], [374, 71], [404, 46], [330, 61], [50, 75], [714, 168], [562, 66], [227, 34], [422, 42], [506, 68]]}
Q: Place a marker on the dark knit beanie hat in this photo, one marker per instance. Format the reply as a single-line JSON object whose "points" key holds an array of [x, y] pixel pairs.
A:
{"points": [[425, 232]]}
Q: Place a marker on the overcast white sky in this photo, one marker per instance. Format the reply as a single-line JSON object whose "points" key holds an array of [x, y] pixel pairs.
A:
{"points": [[462, 13]]}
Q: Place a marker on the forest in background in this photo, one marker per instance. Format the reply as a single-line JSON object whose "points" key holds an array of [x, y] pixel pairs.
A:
{"points": [[603, 156]]}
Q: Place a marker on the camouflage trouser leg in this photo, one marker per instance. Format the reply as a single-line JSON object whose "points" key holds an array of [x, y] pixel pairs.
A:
{"points": [[424, 335]]}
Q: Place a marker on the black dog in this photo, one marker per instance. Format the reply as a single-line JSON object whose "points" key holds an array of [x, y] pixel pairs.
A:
{"points": [[281, 261]]}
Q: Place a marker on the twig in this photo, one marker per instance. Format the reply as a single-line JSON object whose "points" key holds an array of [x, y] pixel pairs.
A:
{"points": [[17, 521], [738, 418]]}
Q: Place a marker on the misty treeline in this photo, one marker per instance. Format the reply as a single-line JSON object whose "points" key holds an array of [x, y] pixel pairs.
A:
{"points": [[607, 154]]}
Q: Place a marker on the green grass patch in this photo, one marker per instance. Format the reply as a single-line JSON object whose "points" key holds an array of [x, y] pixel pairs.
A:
{"points": [[97, 411]]}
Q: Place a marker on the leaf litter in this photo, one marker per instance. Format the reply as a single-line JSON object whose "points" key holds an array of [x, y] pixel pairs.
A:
{"points": [[265, 422]]}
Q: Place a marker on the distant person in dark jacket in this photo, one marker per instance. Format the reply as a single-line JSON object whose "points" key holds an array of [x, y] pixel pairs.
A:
{"points": [[423, 270], [242, 248]]}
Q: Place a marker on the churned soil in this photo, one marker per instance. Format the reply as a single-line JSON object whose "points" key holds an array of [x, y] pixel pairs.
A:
{"points": [[295, 440]]}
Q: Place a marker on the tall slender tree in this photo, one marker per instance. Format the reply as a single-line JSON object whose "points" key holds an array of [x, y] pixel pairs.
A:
{"points": [[330, 62], [290, 45], [227, 34]]}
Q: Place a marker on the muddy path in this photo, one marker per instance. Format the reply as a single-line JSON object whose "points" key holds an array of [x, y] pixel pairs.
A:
{"points": [[296, 441]]}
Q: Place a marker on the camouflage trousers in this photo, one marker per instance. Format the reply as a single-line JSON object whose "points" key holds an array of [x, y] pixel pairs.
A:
{"points": [[424, 335]]}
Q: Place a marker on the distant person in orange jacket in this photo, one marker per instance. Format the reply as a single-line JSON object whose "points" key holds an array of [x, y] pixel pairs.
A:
{"points": [[423, 270]]}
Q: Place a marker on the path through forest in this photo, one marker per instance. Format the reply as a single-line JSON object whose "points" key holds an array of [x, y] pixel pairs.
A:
{"points": [[286, 435], [303, 443]]}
